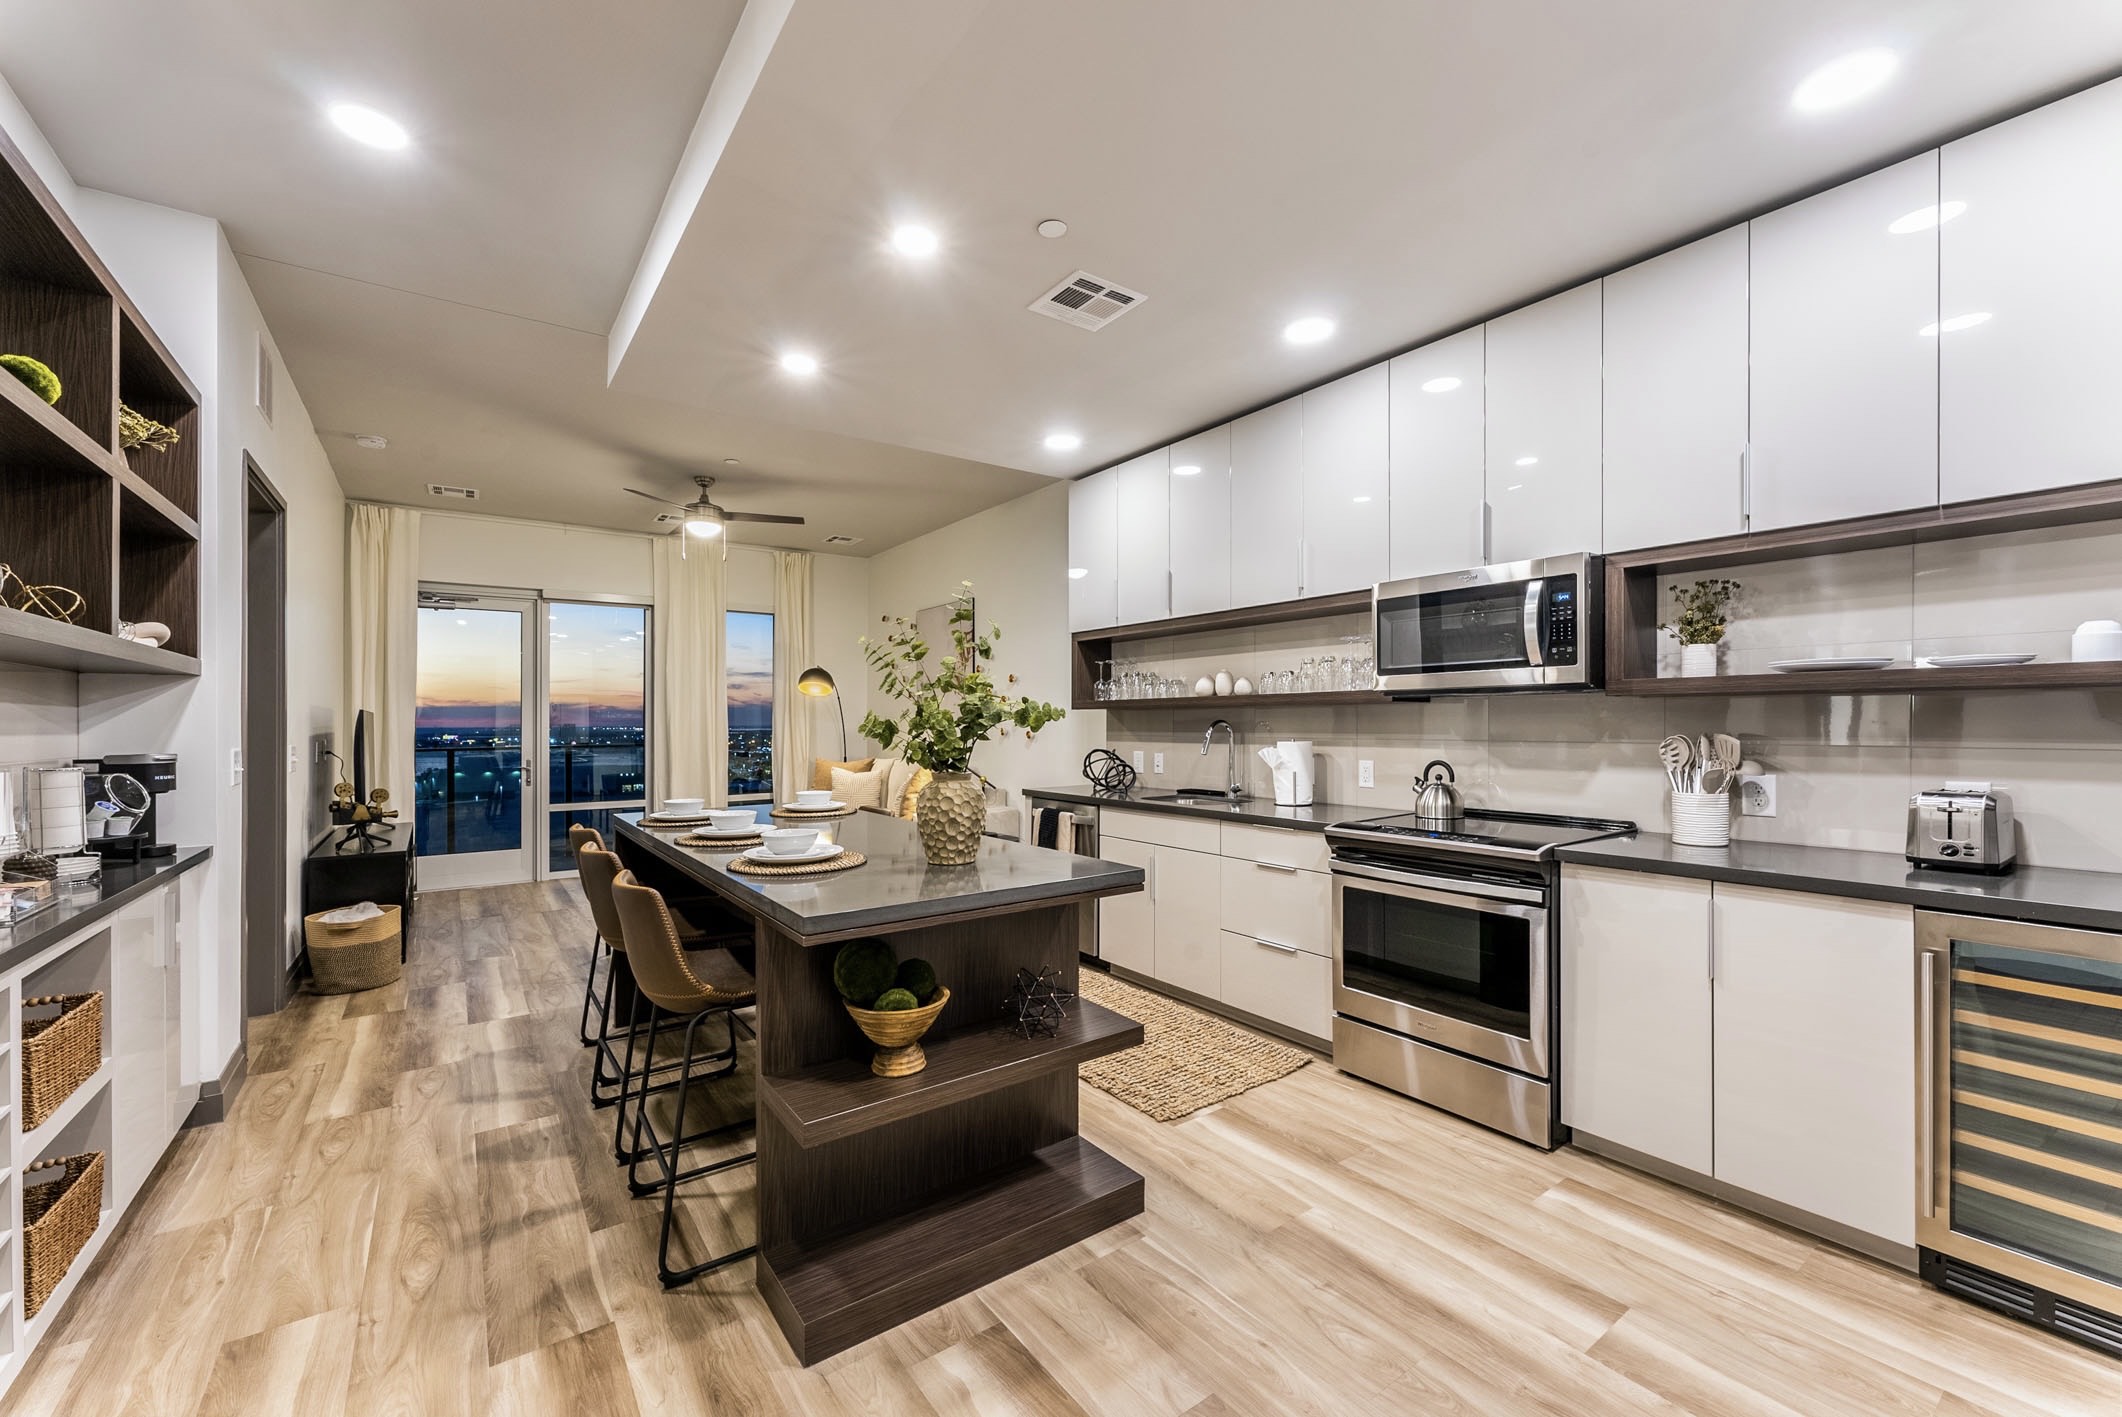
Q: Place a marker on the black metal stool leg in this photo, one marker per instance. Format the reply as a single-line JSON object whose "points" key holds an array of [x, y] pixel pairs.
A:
{"points": [[589, 993], [671, 1278], [654, 1148]]}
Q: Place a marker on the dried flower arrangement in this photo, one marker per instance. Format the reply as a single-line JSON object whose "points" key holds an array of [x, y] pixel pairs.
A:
{"points": [[1701, 612], [137, 430]]}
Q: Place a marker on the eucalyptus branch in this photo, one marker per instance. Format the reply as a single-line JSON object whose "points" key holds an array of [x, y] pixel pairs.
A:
{"points": [[952, 706]]}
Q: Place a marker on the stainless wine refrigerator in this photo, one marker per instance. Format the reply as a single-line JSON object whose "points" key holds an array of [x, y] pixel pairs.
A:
{"points": [[2019, 1116]]}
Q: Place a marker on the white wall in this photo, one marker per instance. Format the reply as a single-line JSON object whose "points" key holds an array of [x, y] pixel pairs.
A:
{"points": [[1016, 556], [39, 716]]}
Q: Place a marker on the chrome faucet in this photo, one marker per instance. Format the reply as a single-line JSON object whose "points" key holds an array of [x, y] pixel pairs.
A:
{"points": [[1236, 789]]}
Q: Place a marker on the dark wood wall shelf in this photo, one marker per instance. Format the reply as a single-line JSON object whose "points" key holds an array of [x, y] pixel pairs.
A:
{"points": [[1332, 698], [1089, 648], [1634, 582], [76, 510]]}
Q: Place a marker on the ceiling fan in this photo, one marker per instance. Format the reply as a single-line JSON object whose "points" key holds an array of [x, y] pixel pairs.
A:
{"points": [[704, 519]]}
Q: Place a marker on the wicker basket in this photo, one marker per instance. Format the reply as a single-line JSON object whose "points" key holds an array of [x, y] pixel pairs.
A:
{"points": [[61, 1048], [58, 1217], [897, 1034], [345, 959]]}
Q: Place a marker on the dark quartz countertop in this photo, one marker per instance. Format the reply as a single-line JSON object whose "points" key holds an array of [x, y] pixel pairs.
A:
{"points": [[1257, 812], [896, 886], [120, 886], [2044, 894]]}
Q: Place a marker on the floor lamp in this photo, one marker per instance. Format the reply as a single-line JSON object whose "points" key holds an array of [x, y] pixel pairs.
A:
{"points": [[819, 685]]}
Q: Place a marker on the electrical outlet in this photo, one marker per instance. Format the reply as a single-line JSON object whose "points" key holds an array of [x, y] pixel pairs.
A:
{"points": [[1757, 795], [1156, 763], [1138, 760], [1364, 776]]}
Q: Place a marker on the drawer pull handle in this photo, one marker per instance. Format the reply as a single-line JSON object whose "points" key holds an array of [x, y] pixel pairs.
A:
{"points": [[1274, 866], [1270, 944]]}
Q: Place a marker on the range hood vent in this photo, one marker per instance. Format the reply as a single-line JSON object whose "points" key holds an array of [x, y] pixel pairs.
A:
{"points": [[1087, 301]]}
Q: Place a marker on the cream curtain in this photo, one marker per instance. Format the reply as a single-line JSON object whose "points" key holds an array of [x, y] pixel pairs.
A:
{"points": [[382, 629], [691, 720], [794, 736]]}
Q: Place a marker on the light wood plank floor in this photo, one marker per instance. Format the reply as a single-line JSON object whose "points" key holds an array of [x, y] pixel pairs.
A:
{"points": [[413, 1210]]}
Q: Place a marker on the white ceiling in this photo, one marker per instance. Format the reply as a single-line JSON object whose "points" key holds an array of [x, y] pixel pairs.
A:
{"points": [[1403, 167]]}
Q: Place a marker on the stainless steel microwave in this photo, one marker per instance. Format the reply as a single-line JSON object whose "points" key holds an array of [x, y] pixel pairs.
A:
{"points": [[1518, 625]]}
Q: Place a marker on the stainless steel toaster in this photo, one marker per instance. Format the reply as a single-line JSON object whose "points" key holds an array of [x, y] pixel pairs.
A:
{"points": [[1962, 826]]}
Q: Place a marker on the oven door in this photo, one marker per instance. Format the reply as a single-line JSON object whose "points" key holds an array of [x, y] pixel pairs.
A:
{"points": [[1460, 964]]}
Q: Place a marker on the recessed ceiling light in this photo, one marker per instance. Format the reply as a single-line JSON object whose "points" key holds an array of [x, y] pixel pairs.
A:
{"points": [[1361, 500], [1063, 442], [1185, 470], [374, 442], [1052, 227], [1309, 330], [729, 462], [1924, 218], [1442, 385], [1077, 573], [800, 364], [1956, 322], [365, 125], [1843, 81], [916, 241], [1527, 461]]}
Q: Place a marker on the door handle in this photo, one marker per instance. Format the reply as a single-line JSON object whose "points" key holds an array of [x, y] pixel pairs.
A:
{"points": [[1927, 1090], [1488, 532], [1746, 487]]}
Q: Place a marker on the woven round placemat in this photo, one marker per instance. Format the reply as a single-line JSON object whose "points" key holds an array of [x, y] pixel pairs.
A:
{"points": [[845, 861], [661, 823], [721, 843], [813, 815]]}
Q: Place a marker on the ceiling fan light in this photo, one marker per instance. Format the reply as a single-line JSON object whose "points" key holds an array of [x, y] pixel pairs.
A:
{"points": [[702, 526]]}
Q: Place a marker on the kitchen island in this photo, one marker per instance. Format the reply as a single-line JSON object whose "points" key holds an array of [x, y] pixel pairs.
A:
{"points": [[881, 1198]]}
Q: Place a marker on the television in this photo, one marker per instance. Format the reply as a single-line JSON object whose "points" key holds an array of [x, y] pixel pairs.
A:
{"points": [[364, 733]]}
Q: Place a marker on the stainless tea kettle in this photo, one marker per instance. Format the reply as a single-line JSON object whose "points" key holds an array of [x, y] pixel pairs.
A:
{"points": [[1436, 797]]}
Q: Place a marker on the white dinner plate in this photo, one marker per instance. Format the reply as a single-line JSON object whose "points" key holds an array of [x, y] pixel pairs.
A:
{"points": [[1796, 666], [658, 819], [823, 851], [1974, 661], [721, 834], [799, 807]]}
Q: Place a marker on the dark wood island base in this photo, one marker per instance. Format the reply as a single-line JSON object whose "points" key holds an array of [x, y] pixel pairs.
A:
{"points": [[882, 1198]]}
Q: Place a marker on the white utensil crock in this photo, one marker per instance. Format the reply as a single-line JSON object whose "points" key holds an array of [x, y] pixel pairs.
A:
{"points": [[1701, 818]]}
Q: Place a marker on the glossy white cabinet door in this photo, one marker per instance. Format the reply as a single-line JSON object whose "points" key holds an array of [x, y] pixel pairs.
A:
{"points": [[1543, 428], [1437, 457], [1127, 924], [1844, 352], [181, 907], [1636, 1012], [1093, 530], [1267, 504], [1189, 921], [137, 1040], [1143, 517], [1346, 512], [2027, 399], [1815, 1048], [1200, 522], [1675, 380]]}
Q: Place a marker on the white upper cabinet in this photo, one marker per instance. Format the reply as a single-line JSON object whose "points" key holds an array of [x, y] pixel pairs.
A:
{"points": [[1543, 428], [1436, 456], [1144, 538], [2029, 355], [1267, 505], [1346, 527], [1093, 590], [1844, 352], [1200, 522], [1675, 379]]}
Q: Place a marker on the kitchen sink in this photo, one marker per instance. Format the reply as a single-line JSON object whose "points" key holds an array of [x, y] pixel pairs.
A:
{"points": [[1197, 797]]}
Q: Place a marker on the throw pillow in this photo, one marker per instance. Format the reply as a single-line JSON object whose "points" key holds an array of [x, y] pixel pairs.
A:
{"points": [[821, 770], [912, 795], [858, 789], [902, 772]]}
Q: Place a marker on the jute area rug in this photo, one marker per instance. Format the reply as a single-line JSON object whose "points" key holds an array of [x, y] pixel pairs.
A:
{"points": [[1186, 1060]]}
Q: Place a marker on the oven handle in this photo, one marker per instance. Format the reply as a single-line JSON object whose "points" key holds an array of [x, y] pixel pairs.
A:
{"points": [[1444, 890]]}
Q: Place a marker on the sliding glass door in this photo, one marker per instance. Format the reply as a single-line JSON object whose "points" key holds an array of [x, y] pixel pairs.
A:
{"points": [[477, 660], [596, 720]]}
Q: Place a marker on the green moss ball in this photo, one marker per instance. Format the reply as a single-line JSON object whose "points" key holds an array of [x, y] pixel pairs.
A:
{"points": [[918, 978], [35, 373], [893, 1000], [863, 969]]}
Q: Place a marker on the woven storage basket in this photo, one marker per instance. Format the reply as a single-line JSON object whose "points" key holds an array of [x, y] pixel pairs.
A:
{"points": [[345, 959], [60, 1050], [58, 1217]]}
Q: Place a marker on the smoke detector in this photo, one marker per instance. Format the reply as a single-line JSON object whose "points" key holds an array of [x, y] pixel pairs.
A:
{"points": [[1087, 302], [374, 442], [462, 494]]}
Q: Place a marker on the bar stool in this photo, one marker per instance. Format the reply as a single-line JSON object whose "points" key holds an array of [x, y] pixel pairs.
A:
{"points": [[667, 976], [579, 836]]}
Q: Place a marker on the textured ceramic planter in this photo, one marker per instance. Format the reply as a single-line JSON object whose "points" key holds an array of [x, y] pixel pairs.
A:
{"points": [[951, 813], [1698, 661]]}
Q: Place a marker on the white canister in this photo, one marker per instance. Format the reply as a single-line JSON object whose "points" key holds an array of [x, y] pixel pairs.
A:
{"points": [[1701, 818], [1204, 686], [1241, 685], [1223, 683], [1698, 661], [2096, 640]]}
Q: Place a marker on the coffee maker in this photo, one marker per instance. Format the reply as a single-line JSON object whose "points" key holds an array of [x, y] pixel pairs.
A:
{"points": [[154, 772]]}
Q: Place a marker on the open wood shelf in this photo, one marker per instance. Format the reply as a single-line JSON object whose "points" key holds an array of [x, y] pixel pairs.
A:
{"points": [[839, 1099], [120, 529], [1089, 648], [1332, 698], [828, 1297], [1903, 679]]}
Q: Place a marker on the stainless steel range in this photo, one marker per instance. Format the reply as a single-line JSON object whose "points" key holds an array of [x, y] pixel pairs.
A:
{"points": [[1444, 960]]}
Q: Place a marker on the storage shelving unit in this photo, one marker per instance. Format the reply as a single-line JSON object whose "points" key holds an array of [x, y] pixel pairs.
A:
{"points": [[76, 511], [1089, 648]]}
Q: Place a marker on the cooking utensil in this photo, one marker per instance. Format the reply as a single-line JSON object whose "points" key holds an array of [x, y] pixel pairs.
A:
{"points": [[1716, 780], [1438, 798], [1677, 754], [1730, 751]]}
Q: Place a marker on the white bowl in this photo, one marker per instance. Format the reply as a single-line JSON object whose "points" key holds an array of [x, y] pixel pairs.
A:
{"points": [[683, 806], [731, 819], [815, 797], [790, 841]]}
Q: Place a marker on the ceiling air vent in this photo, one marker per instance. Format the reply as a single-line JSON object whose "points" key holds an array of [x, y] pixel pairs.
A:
{"points": [[463, 494], [842, 540], [669, 518], [1085, 301]]}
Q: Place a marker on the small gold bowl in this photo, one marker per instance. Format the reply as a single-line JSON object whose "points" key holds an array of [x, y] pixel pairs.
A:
{"points": [[897, 1034]]}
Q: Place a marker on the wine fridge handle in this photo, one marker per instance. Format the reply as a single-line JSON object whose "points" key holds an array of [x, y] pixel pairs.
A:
{"points": [[1927, 1087]]}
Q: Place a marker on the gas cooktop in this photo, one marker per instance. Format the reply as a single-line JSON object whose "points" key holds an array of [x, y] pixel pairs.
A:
{"points": [[1530, 836]]}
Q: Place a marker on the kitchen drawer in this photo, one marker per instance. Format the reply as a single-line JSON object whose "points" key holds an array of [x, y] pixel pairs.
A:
{"points": [[1159, 829], [1288, 987], [1278, 846], [1279, 904]]}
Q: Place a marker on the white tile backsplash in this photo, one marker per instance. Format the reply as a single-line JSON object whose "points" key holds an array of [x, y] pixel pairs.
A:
{"points": [[40, 714]]}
